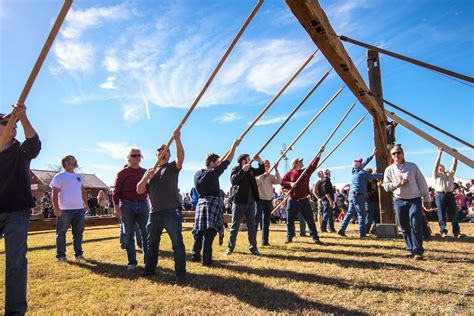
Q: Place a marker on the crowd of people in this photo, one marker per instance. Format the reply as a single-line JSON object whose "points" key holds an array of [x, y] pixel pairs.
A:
{"points": [[149, 201]]}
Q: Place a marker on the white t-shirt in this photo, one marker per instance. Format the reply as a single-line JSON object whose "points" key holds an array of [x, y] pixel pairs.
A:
{"points": [[70, 184]]}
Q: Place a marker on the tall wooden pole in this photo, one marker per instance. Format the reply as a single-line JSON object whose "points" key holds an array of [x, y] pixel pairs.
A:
{"points": [[387, 215], [210, 79], [36, 68]]}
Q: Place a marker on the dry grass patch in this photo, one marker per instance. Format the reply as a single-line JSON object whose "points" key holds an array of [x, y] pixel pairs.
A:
{"points": [[345, 276]]}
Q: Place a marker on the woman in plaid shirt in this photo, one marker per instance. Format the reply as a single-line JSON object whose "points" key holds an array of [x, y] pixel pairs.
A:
{"points": [[209, 217]]}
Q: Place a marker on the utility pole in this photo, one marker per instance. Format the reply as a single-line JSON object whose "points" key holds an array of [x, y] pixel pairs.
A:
{"points": [[387, 215]]}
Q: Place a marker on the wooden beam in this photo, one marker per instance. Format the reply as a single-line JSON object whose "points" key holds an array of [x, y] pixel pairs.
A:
{"points": [[312, 17], [387, 216], [452, 151]]}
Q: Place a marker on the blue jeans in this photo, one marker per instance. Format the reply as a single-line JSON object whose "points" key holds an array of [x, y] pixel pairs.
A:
{"points": [[134, 213], [302, 224], [75, 219], [370, 207], [446, 204], [328, 217], [203, 240], [409, 218], [356, 204], [263, 214], [14, 228], [240, 210], [292, 209], [172, 221], [137, 236]]}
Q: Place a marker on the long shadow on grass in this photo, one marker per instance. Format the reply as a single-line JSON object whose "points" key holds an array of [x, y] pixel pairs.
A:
{"points": [[337, 251], [346, 263], [250, 292], [53, 246], [320, 279], [326, 243]]}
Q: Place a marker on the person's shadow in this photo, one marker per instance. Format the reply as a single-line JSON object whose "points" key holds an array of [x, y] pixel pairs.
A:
{"points": [[256, 294]]}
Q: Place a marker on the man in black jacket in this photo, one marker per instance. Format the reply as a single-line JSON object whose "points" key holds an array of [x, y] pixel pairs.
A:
{"points": [[245, 197], [16, 202]]}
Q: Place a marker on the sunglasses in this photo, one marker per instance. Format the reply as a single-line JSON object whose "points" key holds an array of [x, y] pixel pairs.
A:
{"points": [[136, 156], [395, 153]]}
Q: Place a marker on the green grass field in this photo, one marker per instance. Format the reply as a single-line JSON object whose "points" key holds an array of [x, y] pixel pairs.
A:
{"points": [[344, 276]]}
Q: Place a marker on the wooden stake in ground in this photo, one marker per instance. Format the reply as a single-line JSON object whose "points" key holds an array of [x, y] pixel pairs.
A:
{"points": [[36, 68], [319, 152], [293, 112], [305, 129], [211, 78], [277, 95]]}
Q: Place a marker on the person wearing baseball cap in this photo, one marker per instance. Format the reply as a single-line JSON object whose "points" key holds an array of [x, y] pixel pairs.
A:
{"points": [[358, 189], [298, 198], [16, 202]]}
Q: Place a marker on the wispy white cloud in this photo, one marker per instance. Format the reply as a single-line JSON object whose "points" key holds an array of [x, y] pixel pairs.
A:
{"points": [[79, 21], [74, 55], [109, 84], [115, 150], [342, 14], [270, 121], [227, 117]]}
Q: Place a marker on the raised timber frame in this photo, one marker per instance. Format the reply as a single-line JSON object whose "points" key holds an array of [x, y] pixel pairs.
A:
{"points": [[314, 20]]}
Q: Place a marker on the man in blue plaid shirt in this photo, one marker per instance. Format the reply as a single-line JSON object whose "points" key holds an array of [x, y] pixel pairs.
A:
{"points": [[209, 210]]}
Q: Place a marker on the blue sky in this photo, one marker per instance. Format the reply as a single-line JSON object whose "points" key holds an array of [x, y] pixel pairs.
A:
{"points": [[123, 73]]}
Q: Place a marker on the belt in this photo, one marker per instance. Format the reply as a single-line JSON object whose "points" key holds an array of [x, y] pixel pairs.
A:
{"points": [[441, 192]]}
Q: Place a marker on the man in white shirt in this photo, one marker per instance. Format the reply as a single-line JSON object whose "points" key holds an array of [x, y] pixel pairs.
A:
{"points": [[408, 185], [444, 198], [70, 204]]}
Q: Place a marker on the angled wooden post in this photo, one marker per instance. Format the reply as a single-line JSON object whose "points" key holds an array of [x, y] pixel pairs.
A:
{"points": [[387, 215]]}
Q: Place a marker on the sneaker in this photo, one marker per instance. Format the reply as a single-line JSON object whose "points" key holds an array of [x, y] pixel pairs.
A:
{"points": [[409, 254], [341, 233], [302, 235], [131, 267], [332, 231], [196, 258], [255, 252], [80, 258], [444, 233], [227, 252], [288, 240], [266, 244], [316, 241], [62, 260], [418, 257]]}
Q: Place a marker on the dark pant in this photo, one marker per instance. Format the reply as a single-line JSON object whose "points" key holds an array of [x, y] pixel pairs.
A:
{"points": [[264, 211], [134, 213], [203, 240], [328, 217], [240, 210], [292, 209], [171, 220], [14, 227], [446, 205], [409, 217], [75, 219]]}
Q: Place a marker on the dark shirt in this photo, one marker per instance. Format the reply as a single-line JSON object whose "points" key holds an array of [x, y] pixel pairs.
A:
{"points": [[163, 188], [206, 181], [326, 188], [302, 189], [15, 183], [245, 185], [125, 187]]}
